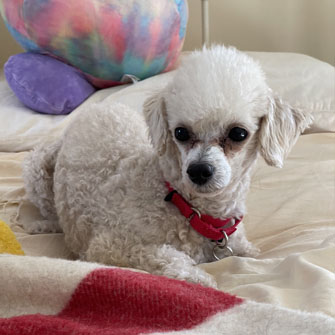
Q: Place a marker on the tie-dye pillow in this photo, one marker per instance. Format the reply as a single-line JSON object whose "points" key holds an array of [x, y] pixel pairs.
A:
{"points": [[105, 39]]}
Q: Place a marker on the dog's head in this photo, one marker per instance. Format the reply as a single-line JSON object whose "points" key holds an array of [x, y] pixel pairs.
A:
{"points": [[211, 121]]}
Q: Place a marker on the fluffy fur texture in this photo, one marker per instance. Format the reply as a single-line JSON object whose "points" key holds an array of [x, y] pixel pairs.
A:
{"points": [[102, 183]]}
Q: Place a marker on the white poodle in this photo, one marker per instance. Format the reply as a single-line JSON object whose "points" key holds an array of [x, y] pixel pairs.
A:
{"points": [[105, 185]]}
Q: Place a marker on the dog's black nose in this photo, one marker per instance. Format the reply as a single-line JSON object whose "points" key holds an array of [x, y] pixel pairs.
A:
{"points": [[200, 173]]}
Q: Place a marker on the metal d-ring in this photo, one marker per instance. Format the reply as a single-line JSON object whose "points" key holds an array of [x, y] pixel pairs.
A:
{"points": [[196, 211], [223, 247]]}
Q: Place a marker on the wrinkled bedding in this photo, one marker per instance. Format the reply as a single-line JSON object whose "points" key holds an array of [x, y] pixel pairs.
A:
{"points": [[291, 211]]}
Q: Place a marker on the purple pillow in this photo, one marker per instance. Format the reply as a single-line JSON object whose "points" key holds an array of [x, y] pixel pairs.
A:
{"points": [[45, 84]]}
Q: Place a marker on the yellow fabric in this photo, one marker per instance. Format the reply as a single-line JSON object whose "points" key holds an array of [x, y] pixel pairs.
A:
{"points": [[8, 242]]}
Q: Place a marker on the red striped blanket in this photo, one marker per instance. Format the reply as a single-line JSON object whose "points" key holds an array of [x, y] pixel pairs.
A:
{"points": [[44, 296]]}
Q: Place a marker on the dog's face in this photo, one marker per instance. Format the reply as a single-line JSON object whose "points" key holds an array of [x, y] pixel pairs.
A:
{"points": [[212, 150], [209, 124]]}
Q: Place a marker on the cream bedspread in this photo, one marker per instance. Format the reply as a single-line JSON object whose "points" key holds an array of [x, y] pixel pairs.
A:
{"points": [[291, 218], [291, 211]]}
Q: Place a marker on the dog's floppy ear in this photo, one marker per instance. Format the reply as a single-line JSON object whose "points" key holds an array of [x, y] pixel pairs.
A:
{"points": [[280, 129], [154, 110]]}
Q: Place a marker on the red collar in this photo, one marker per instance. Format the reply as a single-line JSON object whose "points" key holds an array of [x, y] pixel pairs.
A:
{"points": [[205, 225]]}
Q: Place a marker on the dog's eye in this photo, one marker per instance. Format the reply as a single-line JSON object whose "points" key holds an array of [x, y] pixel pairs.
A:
{"points": [[238, 134], [182, 134]]}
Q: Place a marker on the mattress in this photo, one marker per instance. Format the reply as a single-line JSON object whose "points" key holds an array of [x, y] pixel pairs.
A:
{"points": [[291, 211]]}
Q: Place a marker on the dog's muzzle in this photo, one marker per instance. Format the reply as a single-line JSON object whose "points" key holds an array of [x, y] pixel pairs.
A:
{"points": [[200, 173]]}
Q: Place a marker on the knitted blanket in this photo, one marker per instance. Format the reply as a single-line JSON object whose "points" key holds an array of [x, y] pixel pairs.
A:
{"points": [[42, 295]]}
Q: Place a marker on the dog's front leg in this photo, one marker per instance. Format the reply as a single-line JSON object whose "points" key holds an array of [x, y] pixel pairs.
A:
{"points": [[167, 261], [164, 260], [240, 244]]}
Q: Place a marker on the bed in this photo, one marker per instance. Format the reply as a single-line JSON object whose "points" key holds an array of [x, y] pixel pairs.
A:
{"points": [[289, 288]]}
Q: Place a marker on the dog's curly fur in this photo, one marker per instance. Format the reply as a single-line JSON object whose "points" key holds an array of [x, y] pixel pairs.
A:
{"points": [[102, 183]]}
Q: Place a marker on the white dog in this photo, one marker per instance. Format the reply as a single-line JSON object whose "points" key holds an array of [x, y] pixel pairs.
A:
{"points": [[103, 183]]}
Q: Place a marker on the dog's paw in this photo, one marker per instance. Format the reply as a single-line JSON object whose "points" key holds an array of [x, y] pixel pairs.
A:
{"points": [[249, 251], [253, 251], [208, 281], [203, 279], [42, 227]]}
